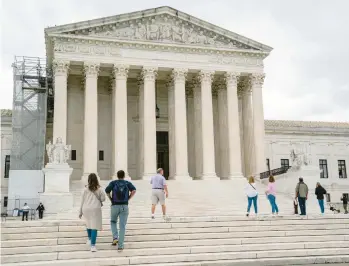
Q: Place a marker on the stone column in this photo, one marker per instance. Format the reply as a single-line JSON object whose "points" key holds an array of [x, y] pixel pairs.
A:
{"points": [[190, 129], [60, 70], [247, 121], [223, 129], [197, 128], [258, 123], [171, 127], [181, 150], [120, 138], [149, 121], [91, 119], [234, 152], [140, 127], [208, 151]]}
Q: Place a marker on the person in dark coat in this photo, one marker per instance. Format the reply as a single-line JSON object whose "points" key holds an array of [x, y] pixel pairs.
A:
{"points": [[344, 199], [320, 192], [41, 209]]}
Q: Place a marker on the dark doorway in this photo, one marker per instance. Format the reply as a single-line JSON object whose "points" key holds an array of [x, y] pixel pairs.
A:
{"points": [[162, 151]]}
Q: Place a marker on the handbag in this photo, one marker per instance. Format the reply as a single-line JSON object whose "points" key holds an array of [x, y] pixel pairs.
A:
{"points": [[94, 193]]}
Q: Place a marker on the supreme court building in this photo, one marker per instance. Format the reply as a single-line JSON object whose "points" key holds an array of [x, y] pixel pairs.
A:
{"points": [[158, 88]]}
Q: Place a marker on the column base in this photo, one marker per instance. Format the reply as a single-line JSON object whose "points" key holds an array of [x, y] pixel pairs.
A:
{"points": [[148, 176], [182, 177], [236, 176], [209, 176], [115, 177], [84, 178], [57, 202]]}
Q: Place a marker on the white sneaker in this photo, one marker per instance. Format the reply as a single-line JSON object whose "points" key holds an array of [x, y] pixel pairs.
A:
{"points": [[93, 249], [88, 242]]}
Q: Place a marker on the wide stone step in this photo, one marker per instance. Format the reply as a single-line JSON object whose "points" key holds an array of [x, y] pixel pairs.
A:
{"points": [[121, 259], [164, 228]]}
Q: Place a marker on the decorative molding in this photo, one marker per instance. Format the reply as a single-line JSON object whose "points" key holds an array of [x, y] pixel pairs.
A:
{"points": [[179, 74], [205, 76], [60, 67], [91, 69], [231, 78], [190, 86], [110, 48], [120, 71], [149, 73], [257, 79], [244, 87], [163, 29]]}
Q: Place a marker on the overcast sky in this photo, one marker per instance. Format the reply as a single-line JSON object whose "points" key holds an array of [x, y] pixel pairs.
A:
{"points": [[307, 73]]}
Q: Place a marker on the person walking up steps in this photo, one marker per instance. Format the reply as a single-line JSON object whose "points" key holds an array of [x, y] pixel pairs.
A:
{"points": [[271, 195], [25, 211], [302, 195], [320, 192], [159, 192], [91, 209], [121, 192], [252, 195], [41, 209]]}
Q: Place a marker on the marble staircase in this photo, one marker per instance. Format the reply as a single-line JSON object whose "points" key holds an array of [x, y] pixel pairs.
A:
{"points": [[206, 226]]}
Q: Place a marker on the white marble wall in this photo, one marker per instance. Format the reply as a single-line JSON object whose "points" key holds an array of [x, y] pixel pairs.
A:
{"points": [[6, 142], [331, 148]]}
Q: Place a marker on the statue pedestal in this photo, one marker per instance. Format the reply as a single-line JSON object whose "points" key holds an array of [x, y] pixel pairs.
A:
{"points": [[57, 197]]}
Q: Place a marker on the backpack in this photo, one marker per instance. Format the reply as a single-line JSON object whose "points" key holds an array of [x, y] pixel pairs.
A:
{"points": [[121, 192]]}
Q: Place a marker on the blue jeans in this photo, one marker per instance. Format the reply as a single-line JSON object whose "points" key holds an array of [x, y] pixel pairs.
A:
{"points": [[92, 235], [250, 201], [274, 206], [121, 212], [301, 202], [322, 206]]}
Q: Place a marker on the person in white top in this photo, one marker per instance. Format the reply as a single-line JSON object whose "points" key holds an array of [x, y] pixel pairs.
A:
{"points": [[25, 211], [252, 195]]}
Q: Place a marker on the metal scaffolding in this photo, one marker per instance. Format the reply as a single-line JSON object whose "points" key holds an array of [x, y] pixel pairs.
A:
{"points": [[31, 86]]}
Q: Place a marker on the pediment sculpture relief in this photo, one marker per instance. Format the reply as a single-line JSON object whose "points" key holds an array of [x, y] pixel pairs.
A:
{"points": [[165, 29]]}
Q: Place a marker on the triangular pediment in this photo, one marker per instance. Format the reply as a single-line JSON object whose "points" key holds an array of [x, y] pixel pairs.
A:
{"points": [[161, 25]]}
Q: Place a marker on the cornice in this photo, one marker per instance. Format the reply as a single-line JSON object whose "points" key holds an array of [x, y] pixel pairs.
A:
{"points": [[148, 45]]}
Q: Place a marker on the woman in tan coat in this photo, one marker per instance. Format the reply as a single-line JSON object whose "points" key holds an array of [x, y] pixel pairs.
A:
{"points": [[91, 209]]}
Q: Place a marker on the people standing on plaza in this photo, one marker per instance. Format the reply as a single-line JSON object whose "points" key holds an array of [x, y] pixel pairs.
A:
{"points": [[159, 192], [320, 192], [91, 208], [252, 195], [302, 195], [40, 210], [344, 199], [25, 211], [271, 195], [121, 192]]}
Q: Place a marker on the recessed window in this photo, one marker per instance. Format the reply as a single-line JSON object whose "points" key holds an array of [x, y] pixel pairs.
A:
{"points": [[285, 163], [268, 164], [342, 171], [101, 156], [7, 166], [323, 167], [73, 155], [5, 201]]}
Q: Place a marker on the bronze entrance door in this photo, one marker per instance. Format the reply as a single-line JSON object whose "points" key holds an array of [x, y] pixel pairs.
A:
{"points": [[162, 151]]}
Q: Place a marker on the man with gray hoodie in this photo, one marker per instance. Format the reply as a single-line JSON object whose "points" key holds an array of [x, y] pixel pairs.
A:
{"points": [[302, 195]]}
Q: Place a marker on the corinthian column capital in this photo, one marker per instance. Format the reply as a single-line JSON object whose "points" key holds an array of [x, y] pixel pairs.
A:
{"points": [[120, 71], [179, 74], [91, 69], [149, 73], [231, 78], [257, 79], [60, 67], [206, 76]]}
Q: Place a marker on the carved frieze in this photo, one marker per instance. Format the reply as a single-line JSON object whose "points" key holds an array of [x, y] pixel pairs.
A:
{"points": [[164, 29]]}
